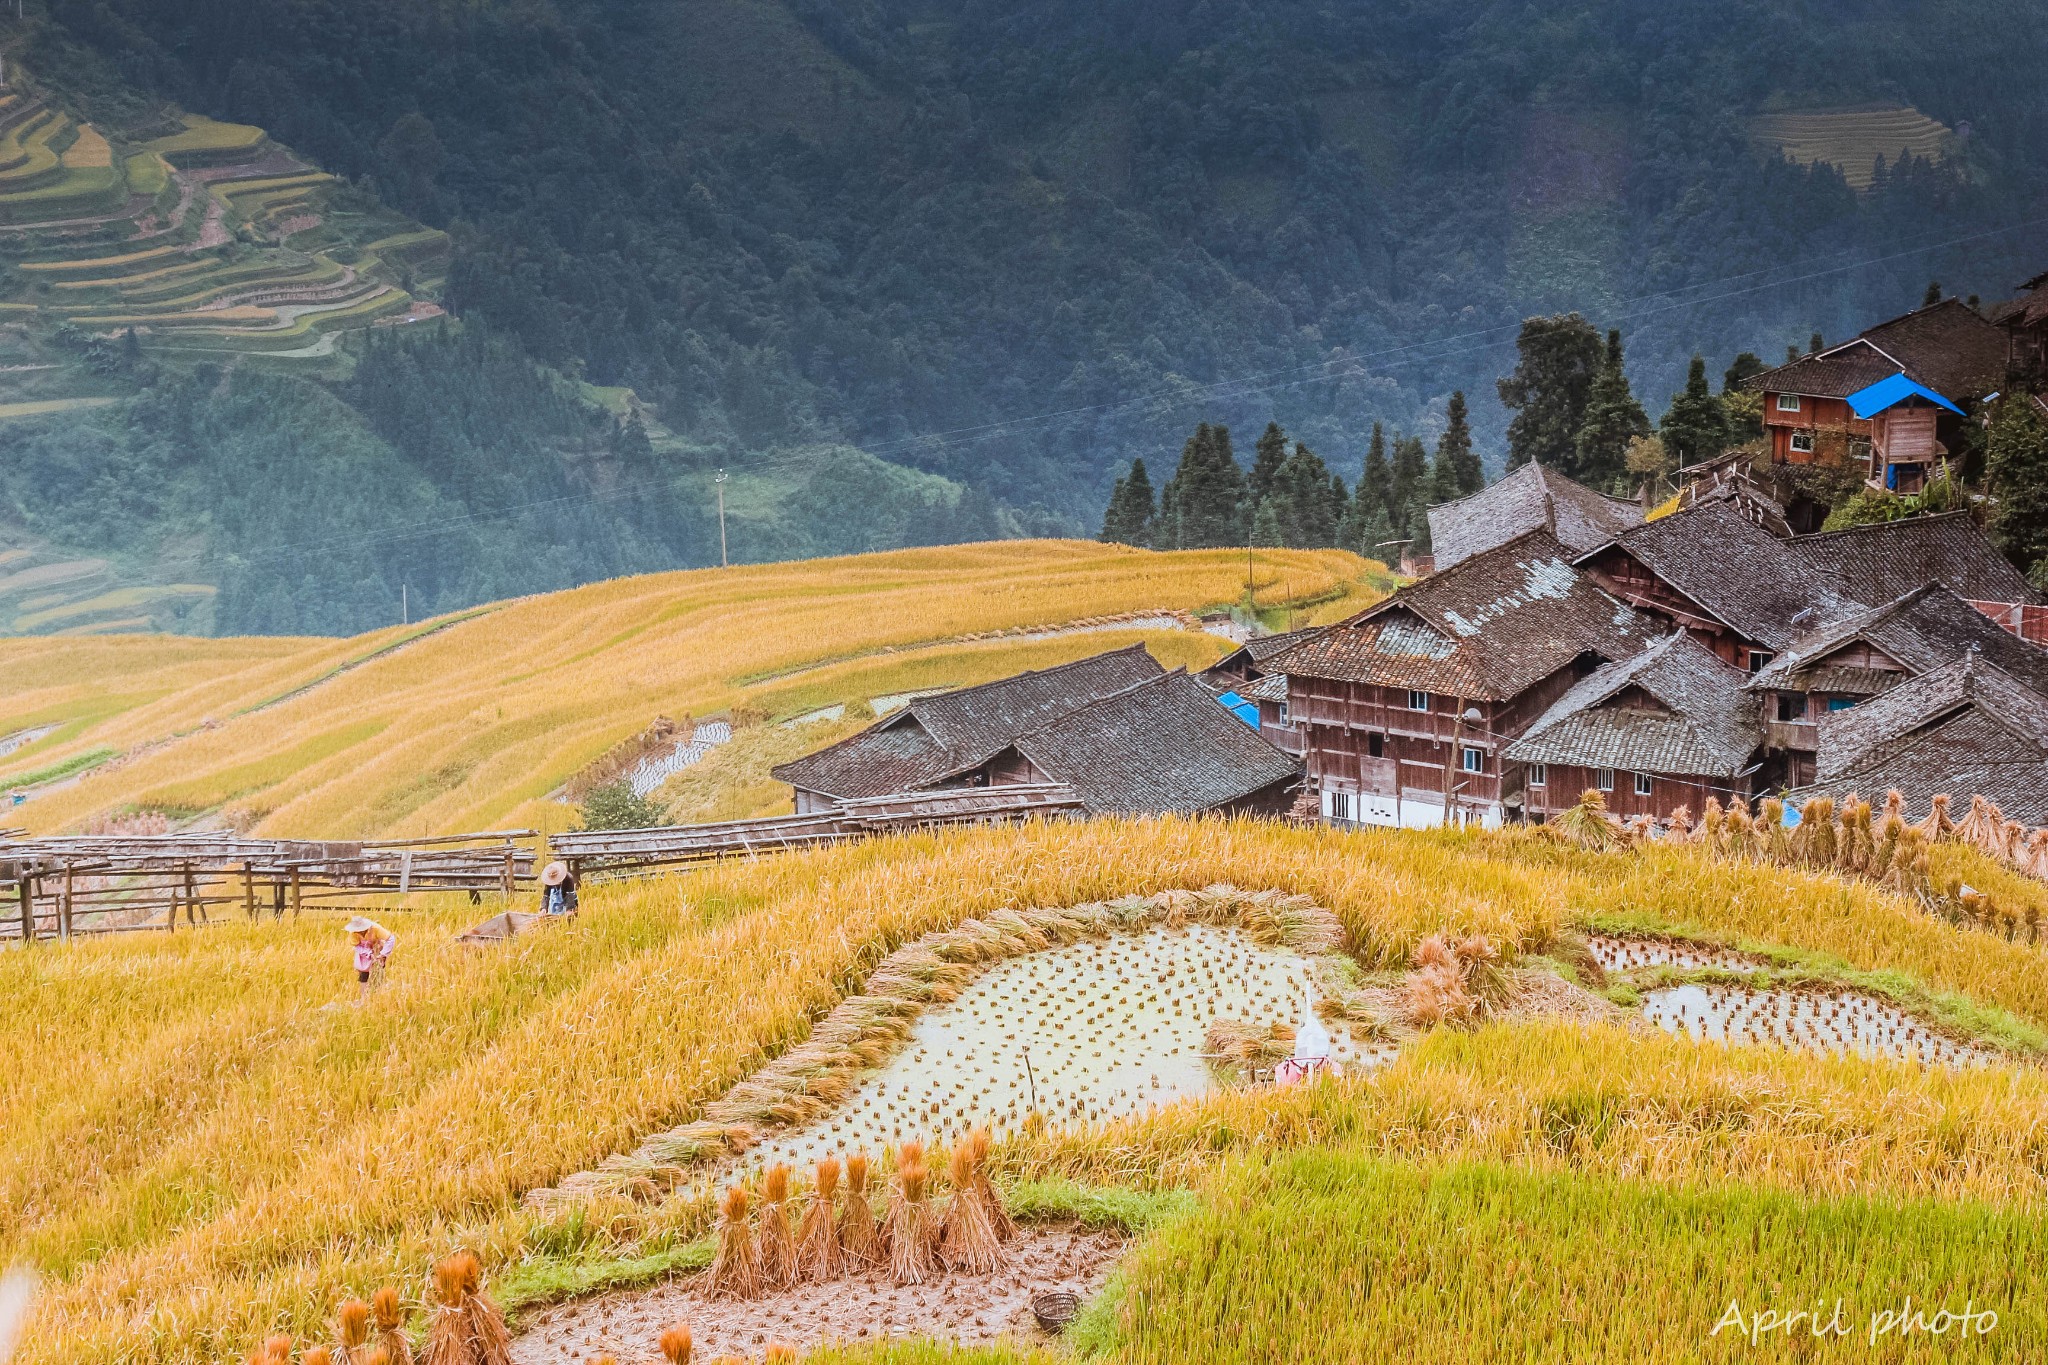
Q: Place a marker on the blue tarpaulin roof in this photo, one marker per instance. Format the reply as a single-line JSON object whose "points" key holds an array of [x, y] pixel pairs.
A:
{"points": [[1887, 392], [1245, 710]]}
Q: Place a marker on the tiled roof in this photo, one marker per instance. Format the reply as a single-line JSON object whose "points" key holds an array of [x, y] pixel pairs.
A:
{"points": [[1526, 499], [1163, 745], [1832, 374], [936, 736], [1486, 628], [1706, 724], [1875, 564], [1947, 346], [1251, 656], [1967, 728], [1738, 573], [1920, 631], [1266, 687]]}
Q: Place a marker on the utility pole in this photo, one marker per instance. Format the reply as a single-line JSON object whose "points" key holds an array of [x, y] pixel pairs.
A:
{"points": [[404, 604], [718, 482]]}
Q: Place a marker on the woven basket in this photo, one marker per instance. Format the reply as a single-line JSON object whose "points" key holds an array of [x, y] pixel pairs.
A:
{"points": [[1055, 1308]]}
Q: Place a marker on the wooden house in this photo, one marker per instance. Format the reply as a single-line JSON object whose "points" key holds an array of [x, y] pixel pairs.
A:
{"points": [[1403, 710], [1945, 349], [2024, 320], [1243, 673], [1968, 728], [1846, 664], [1122, 732], [1531, 497], [1653, 734], [1711, 571]]}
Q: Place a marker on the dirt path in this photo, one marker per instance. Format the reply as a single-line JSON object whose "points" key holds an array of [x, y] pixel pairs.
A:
{"points": [[963, 1308]]}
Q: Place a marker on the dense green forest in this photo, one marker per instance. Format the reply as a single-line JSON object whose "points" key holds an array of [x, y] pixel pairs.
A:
{"points": [[1012, 245]]}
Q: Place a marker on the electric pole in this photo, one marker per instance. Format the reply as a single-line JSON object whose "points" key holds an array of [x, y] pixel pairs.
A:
{"points": [[718, 482], [404, 604]]}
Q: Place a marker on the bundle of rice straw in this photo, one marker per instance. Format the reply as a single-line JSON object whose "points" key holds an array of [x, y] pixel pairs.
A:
{"points": [[778, 1244], [391, 1325], [967, 1239], [676, 1344], [859, 1238], [998, 1216], [352, 1325], [817, 1241], [910, 1230], [317, 1355], [779, 1353], [736, 1270], [467, 1328]]}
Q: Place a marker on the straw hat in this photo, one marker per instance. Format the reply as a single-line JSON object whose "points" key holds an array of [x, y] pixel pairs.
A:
{"points": [[554, 874], [360, 925]]}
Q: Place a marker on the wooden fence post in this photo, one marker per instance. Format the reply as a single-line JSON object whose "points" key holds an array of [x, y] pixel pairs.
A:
{"points": [[194, 911], [296, 905], [249, 890], [64, 907], [506, 879], [26, 886]]}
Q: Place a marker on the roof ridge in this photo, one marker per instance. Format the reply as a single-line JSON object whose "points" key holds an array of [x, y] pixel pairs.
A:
{"points": [[1027, 673], [1919, 518], [1118, 695]]}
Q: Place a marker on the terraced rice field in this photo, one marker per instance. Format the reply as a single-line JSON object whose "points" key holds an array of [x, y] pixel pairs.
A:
{"points": [[209, 239], [1851, 140], [474, 720], [1819, 1021], [1090, 1032]]}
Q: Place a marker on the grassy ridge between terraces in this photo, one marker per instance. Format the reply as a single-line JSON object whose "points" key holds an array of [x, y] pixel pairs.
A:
{"points": [[470, 726], [205, 1148]]}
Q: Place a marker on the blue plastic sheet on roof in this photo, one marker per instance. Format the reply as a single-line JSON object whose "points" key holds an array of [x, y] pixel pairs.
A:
{"points": [[1246, 711], [1886, 393]]}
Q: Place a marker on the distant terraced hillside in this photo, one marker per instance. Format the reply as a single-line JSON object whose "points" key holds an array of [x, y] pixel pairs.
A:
{"points": [[1851, 140], [475, 720], [180, 236]]}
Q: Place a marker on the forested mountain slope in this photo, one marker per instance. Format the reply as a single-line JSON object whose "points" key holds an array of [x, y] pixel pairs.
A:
{"points": [[1014, 244]]}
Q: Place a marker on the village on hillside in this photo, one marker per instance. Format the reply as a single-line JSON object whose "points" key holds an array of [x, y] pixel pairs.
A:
{"points": [[1561, 641]]}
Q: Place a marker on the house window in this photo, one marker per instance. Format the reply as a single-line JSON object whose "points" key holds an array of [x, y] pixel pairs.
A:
{"points": [[1758, 658], [1642, 784], [1791, 706], [1282, 718], [1376, 745], [1538, 775], [1840, 703], [1802, 442], [1474, 759], [1418, 701], [1340, 805], [1604, 779], [1788, 402]]}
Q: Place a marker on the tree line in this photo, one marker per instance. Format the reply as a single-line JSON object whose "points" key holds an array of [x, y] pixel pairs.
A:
{"points": [[1290, 497]]}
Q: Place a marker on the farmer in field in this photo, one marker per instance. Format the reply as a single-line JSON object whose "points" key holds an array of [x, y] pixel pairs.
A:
{"points": [[373, 944], [557, 889]]}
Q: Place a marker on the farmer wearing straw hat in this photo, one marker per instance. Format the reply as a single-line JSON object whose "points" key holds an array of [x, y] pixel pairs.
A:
{"points": [[374, 944], [557, 889]]}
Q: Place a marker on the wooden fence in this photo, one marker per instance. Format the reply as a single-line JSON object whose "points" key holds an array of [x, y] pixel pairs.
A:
{"points": [[59, 886], [619, 850]]}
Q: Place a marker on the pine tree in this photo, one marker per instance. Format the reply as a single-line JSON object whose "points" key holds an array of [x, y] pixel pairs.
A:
{"points": [[1613, 419], [1454, 448], [1933, 294], [1308, 501], [1558, 357], [1411, 482], [1744, 407], [2016, 472], [1208, 492], [1129, 518], [1443, 479], [1695, 428], [1272, 453], [1266, 529], [1376, 482]]}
